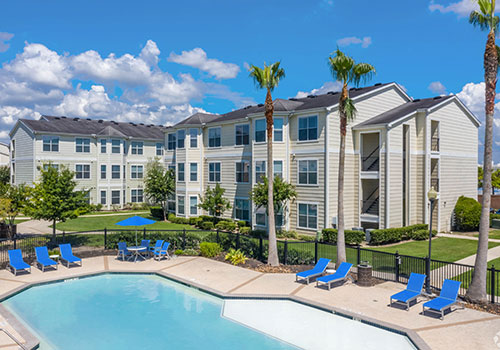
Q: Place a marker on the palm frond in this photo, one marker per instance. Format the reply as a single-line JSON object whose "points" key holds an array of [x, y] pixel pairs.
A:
{"points": [[258, 76], [349, 110], [340, 66], [362, 72], [477, 19], [267, 77]]}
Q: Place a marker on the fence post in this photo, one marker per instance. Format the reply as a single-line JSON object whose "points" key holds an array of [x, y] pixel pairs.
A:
{"points": [[315, 251], [428, 275], [285, 254], [358, 258], [15, 241], [238, 240], [184, 239], [218, 238], [492, 284], [144, 234], [396, 265], [105, 237], [64, 236], [261, 249]]}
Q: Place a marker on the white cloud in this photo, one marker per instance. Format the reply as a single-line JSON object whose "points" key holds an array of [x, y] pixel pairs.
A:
{"points": [[462, 8], [4, 37], [365, 42], [437, 88], [197, 58], [328, 86]]}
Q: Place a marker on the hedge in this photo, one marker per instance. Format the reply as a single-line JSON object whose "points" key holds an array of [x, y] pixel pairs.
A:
{"points": [[467, 214], [394, 235], [226, 225], [329, 235], [156, 212]]}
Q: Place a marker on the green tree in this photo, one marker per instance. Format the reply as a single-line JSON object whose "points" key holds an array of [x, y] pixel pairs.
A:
{"points": [[159, 185], [345, 70], [486, 20], [4, 174], [479, 177], [55, 198], [16, 198], [214, 202], [268, 78], [284, 192]]}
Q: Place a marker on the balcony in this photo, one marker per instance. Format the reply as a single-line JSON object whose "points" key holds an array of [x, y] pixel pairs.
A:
{"points": [[371, 162], [435, 144]]}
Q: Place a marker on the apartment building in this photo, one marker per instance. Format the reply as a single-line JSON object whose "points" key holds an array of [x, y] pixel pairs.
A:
{"points": [[397, 149], [109, 158], [4, 154]]}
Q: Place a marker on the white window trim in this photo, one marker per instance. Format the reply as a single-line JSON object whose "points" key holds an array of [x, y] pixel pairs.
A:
{"points": [[162, 148], [197, 138], [105, 195], [249, 172], [177, 172], [177, 206], [255, 168], [317, 172], [177, 138], [317, 216], [282, 167], [137, 178], [58, 144], [249, 135], [259, 211], [220, 172], [197, 171], [135, 189], [255, 130], [196, 205], [121, 171], [175, 142], [282, 131], [122, 200], [100, 146], [249, 207], [120, 146], [90, 171], [100, 172], [83, 146], [208, 137], [141, 144], [317, 128]]}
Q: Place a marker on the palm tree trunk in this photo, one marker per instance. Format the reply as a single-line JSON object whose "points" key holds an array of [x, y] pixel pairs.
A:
{"points": [[477, 289], [272, 258], [341, 255]]}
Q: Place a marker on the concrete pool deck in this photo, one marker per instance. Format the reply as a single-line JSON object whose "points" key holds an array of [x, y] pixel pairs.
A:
{"points": [[460, 329]]}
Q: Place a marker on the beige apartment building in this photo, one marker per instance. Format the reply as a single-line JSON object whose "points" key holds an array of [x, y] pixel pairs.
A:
{"points": [[397, 149]]}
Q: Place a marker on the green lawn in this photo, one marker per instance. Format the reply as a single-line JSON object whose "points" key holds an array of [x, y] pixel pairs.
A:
{"points": [[494, 234], [117, 212], [18, 221], [443, 248], [109, 221]]}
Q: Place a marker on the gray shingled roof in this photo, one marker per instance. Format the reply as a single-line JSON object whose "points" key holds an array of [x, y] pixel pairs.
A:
{"points": [[198, 119], [403, 110], [89, 126]]}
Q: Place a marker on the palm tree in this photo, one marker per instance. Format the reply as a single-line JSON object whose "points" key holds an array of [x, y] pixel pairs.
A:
{"points": [[486, 20], [268, 78], [347, 71]]}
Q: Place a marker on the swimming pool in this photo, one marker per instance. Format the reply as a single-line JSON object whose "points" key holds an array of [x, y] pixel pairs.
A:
{"points": [[147, 311]]}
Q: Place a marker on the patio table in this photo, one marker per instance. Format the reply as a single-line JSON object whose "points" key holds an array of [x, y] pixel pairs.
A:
{"points": [[136, 252]]}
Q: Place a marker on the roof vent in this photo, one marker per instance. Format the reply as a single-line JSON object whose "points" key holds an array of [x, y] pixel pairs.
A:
{"points": [[416, 100], [141, 124], [351, 89], [260, 105], [76, 119], [311, 96], [293, 99], [89, 119], [57, 118], [437, 97], [332, 92], [378, 84], [247, 107], [63, 117], [100, 121]]}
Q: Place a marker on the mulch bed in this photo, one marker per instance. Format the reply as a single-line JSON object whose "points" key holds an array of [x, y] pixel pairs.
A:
{"points": [[490, 308]]}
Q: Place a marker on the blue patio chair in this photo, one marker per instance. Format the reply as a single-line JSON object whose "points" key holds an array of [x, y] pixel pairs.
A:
{"points": [[16, 261], [67, 255], [145, 244], [318, 270], [157, 247], [122, 250], [446, 299], [163, 252], [340, 275], [412, 292], [42, 258]]}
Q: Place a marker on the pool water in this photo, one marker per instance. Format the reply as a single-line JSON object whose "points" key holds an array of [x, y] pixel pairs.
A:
{"points": [[131, 311]]}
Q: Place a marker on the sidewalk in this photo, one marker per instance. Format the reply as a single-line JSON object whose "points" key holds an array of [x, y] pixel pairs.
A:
{"points": [[452, 235]]}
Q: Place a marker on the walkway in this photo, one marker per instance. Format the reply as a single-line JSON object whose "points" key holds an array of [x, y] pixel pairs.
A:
{"points": [[461, 329], [472, 238]]}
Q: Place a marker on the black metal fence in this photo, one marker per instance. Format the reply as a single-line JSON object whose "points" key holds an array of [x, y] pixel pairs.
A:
{"points": [[386, 266]]}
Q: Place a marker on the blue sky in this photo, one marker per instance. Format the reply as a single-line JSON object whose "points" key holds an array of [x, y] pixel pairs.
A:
{"points": [[55, 55]]}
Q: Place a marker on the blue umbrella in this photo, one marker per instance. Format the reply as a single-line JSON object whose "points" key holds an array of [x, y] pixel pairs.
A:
{"points": [[135, 221]]}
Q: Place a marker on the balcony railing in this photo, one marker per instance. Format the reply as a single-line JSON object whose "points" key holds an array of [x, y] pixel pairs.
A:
{"points": [[370, 206], [435, 144], [371, 161]]}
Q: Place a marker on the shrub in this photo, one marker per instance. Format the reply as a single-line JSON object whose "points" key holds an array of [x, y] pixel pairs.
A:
{"points": [[286, 234], [195, 221], [178, 252], [258, 233], [307, 238], [420, 235], [245, 230], [206, 218], [236, 257], [189, 251], [209, 249], [242, 223], [207, 225], [351, 237], [467, 214], [157, 212], [394, 235], [494, 217], [226, 225], [295, 256], [171, 216]]}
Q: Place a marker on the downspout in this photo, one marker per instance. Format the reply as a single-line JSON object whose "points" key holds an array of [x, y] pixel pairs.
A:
{"points": [[327, 168], [286, 215], [387, 182], [426, 167]]}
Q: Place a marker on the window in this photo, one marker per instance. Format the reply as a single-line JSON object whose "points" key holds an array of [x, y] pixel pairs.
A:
{"points": [[278, 129], [103, 197], [181, 135], [86, 197], [193, 172], [193, 205], [278, 168], [103, 145], [171, 203], [136, 172], [214, 137], [308, 215], [260, 170], [308, 172], [115, 146], [260, 130], [180, 205], [103, 171], [13, 150], [242, 209], [82, 145], [214, 172], [172, 167], [115, 197], [50, 143], [115, 171], [124, 176], [180, 172], [308, 128], [171, 143], [242, 134], [242, 172], [82, 171], [51, 165], [260, 218], [278, 218], [136, 196], [137, 147], [193, 138], [159, 149]]}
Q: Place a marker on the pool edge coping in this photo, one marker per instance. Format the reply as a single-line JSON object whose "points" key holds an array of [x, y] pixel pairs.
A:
{"points": [[15, 323]]}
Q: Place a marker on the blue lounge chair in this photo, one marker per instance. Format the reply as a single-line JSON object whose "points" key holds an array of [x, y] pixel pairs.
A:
{"points": [[412, 292], [122, 250], [318, 270], [157, 247], [67, 255], [16, 261], [145, 243], [339, 275], [446, 299], [42, 258], [163, 252]]}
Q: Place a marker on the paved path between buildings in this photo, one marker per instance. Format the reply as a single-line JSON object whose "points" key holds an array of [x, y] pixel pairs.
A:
{"points": [[471, 238], [460, 329]]}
